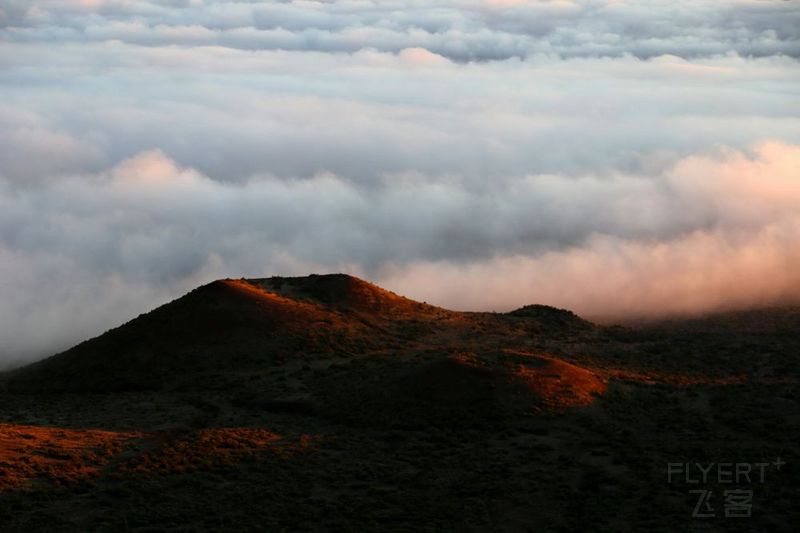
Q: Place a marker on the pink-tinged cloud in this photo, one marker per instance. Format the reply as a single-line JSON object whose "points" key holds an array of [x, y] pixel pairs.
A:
{"points": [[748, 256], [717, 230], [609, 156], [609, 279]]}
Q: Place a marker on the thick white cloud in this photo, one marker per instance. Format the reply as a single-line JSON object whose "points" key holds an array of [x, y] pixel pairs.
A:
{"points": [[713, 231], [478, 154], [233, 113]]}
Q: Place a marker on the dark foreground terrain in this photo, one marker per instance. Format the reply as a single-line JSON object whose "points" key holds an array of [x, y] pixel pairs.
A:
{"points": [[328, 404]]}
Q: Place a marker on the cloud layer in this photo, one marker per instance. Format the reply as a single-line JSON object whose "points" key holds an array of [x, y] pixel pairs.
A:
{"points": [[465, 30], [620, 159]]}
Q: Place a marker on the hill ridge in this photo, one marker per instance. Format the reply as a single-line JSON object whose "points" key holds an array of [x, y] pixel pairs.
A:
{"points": [[228, 328]]}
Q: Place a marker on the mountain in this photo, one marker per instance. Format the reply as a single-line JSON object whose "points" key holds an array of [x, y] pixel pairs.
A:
{"points": [[326, 403], [227, 324], [345, 293], [232, 329]]}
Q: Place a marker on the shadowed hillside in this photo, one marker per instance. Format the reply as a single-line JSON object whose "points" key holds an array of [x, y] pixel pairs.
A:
{"points": [[460, 391], [327, 403], [552, 316], [228, 328], [225, 325]]}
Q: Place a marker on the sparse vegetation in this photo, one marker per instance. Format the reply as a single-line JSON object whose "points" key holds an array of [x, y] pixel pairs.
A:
{"points": [[329, 404]]}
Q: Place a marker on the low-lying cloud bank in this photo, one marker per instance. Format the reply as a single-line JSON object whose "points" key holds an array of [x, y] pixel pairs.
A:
{"points": [[715, 231], [623, 159], [610, 279]]}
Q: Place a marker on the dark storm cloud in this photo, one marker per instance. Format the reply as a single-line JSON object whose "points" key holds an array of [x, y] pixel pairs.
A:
{"points": [[473, 154]]}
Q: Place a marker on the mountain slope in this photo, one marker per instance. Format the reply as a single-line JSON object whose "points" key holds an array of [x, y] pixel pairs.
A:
{"points": [[223, 325], [227, 334], [325, 402], [346, 293]]}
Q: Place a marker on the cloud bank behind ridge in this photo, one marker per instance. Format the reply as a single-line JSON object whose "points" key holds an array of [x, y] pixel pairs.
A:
{"points": [[619, 159]]}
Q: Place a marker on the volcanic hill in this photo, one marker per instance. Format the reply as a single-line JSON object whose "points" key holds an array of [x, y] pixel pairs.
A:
{"points": [[326, 403], [227, 333]]}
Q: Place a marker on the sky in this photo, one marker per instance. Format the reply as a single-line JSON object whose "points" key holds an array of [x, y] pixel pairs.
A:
{"points": [[623, 159]]}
